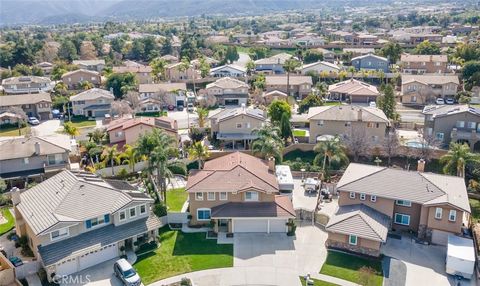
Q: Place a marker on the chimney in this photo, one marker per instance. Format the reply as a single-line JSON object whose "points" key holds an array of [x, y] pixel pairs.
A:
{"points": [[15, 195], [271, 164], [359, 114], [37, 148], [421, 165]]}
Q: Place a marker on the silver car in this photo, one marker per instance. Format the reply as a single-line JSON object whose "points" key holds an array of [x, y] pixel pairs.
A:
{"points": [[125, 272]]}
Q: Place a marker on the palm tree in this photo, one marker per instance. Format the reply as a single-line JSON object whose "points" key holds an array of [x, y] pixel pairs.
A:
{"points": [[60, 88], [98, 134], [198, 152], [250, 66], [352, 71], [289, 66], [130, 156], [70, 129], [158, 67], [86, 85], [111, 154], [202, 116], [269, 143], [457, 158], [330, 151]]}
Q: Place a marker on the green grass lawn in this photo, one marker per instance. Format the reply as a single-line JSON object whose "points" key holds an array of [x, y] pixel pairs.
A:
{"points": [[83, 122], [475, 206], [305, 156], [182, 253], [12, 131], [6, 227], [299, 133], [176, 198], [346, 267], [317, 282]]}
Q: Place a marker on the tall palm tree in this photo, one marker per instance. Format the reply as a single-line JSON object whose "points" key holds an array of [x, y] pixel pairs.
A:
{"points": [[352, 71], [60, 88], [111, 154], [330, 151], [199, 152], [130, 156], [290, 66], [158, 67], [457, 158], [70, 129], [202, 116], [269, 143]]}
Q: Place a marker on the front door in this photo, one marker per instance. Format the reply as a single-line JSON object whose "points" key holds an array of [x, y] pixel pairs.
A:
{"points": [[223, 225], [89, 113], [128, 244]]}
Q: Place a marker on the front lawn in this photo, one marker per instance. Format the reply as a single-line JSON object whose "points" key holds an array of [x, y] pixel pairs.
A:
{"points": [[7, 226], [81, 122], [175, 199], [299, 133], [317, 282], [12, 131], [475, 206], [346, 266], [182, 253]]}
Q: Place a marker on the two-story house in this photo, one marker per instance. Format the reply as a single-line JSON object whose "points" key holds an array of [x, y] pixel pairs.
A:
{"points": [[235, 125], [74, 79], [33, 158], [37, 105], [273, 64], [448, 123], [94, 102], [374, 200], [77, 220], [26, 84], [420, 64], [353, 91], [91, 65], [370, 62], [228, 91], [239, 193], [143, 73], [153, 97], [228, 71], [46, 67], [424, 89], [343, 120], [127, 130], [300, 85], [176, 72], [321, 68]]}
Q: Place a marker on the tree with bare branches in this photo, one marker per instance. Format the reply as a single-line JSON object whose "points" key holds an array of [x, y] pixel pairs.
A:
{"points": [[356, 142], [427, 147], [133, 98], [391, 145], [121, 108]]}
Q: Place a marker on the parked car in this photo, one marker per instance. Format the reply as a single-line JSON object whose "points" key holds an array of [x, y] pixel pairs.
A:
{"points": [[125, 272], [449, 101], [190, 107], [180, 108], [33, 121], [440, 101], [16, 261], [56, 114], [372, 104]]}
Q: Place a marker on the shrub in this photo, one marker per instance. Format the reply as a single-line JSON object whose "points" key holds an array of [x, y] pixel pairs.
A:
{"points": [[179, 168], [160, 209], [185, 282], [366, 276], [123, 173]]}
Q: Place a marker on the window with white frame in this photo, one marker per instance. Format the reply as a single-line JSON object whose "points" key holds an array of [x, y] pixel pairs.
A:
{"points": [[223, 196], [402, 219], [352, 195], [143, 209], [460, 124], [132, 212], [438, 213], [373, 198], [471, 125], [203, 214], [251, 196], [97, 221], [352, 239], [57, 234], [122, 215], [404, 203], [211, 196], [452, 216], [320, 123], [362, 197], [199, 196]]}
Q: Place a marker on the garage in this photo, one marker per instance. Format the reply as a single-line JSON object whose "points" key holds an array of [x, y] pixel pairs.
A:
{"points": [[87, 260], [439, 237], [278, 225], [250, 225]]}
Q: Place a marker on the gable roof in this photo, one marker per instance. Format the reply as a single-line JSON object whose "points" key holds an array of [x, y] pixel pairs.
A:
{"points": [[360, 220], [126, 123], [353, 87], [282, 79], [234, 67], [418, 187], [234, 112], [423, 58], [447, 110], [157, 87], [24, 147], [280, 207], [323, 63], [278, 59], [89, 62], [92, 94], [71, 197], [370, 56], [25, 79], [347, 113], [430, 79], [21, 99], [227, 82], [233, 172], [93, 73]]}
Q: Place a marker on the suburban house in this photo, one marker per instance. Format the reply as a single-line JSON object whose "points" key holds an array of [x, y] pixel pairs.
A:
{"points": [[228, 91], [7, 272], [46, 67], [155, 96], [228, 71], [348, 120], [328, 56], [143, 74], [239, 193], [270, 96], [460, 123], [127, 130], [170, 58], [420, 64], [33, 158], [353, 91], [174, 72], [26, 84], [416, 39], [370, 62], [235, 126], [375, 200], [300, 85], [212, 62], [309, 41], [424, 89], [37, 105], [80, 220], [9, 118], [91, 65], [94, 102], [358, 51], [323, 68], [273, 64], [74, 79]]}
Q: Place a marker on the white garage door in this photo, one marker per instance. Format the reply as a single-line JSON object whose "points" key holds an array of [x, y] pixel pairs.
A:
{"points": [[250, 225], [278, 225], [97, 256], [67, 267], [439, 237]]}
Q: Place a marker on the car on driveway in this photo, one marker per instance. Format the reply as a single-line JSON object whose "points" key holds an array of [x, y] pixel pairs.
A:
{"points": [[125, 272], [450, 101], [33, 121], [440, 101]]}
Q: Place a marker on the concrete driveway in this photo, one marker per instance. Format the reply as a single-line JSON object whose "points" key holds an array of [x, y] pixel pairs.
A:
{"points": [[301, 199], [98, 275], [46, 128], [425, 263]]}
